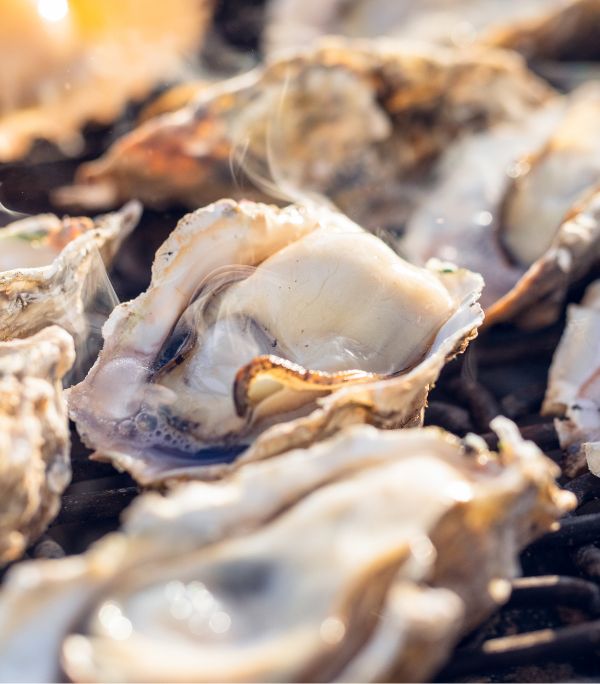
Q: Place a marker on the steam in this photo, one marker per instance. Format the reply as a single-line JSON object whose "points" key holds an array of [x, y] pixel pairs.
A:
{"points": [[273, 180], [98, 299], [11, 212]]}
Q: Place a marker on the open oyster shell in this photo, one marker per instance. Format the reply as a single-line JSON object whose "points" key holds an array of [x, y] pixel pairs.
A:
{"points": [[349, 120], [517, 203], [34, 436], [256, 316], [63, 62], [573, 392], [49, 267], [409, 538]]}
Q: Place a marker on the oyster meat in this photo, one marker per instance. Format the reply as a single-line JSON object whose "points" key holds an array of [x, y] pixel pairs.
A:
{"points": [[349, 120], [50, 268], [410, 539], [517, 203], [34, 436], [573, 392], [254, 317], [63, 62]]}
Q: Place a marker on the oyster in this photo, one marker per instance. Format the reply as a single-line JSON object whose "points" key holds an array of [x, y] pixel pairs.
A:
{"points": [[573, 391], [63, 62], [349, 120], [49, 269], [540, 29], [516, 203], [34, 436], [257, 315], [418, 534], [565, 30]]}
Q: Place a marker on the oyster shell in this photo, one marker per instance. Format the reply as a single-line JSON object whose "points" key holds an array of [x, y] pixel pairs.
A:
{"points": [[517, 204], [34, 436], [566, 31], [539, 29], [349, 120], [63, 63], [49, 267], [418, 535], [257, 315], [573, 391]]}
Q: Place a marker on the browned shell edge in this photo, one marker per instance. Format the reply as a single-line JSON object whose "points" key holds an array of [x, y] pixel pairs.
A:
{"points": [[290, 374], [536, 299]]}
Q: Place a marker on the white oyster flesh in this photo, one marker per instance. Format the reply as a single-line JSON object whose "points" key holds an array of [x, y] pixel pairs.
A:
{"points": [[503, 206], [252, 315], [573, 392], [51, 269], [34, 436], [418, 534]]}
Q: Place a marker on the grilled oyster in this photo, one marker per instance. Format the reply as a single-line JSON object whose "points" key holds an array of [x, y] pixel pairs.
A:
{"points": [[63, 62], [565, 30], [350, 120], [34, 436], [506, 206], [539, 29], [418, 535], [49, 266], [297, 23], [253, 316], [573, 391]]}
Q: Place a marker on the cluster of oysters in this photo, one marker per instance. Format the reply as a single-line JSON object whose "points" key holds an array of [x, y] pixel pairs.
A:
{"points": [[437, 186]]}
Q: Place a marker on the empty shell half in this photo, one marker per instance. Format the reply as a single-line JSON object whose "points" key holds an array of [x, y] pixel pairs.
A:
{"points": [[291, 319], [34, 436], [408, 537]]}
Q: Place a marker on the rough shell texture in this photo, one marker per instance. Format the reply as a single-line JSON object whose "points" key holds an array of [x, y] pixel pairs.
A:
{"points": [[573, 392], [505, 205], [408, 538], [50, 267], [34, 436], [256, 316], [351, 121], [63, 72]]}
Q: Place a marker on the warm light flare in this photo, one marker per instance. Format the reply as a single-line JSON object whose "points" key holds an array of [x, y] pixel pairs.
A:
{"points": [[53, 10]]}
